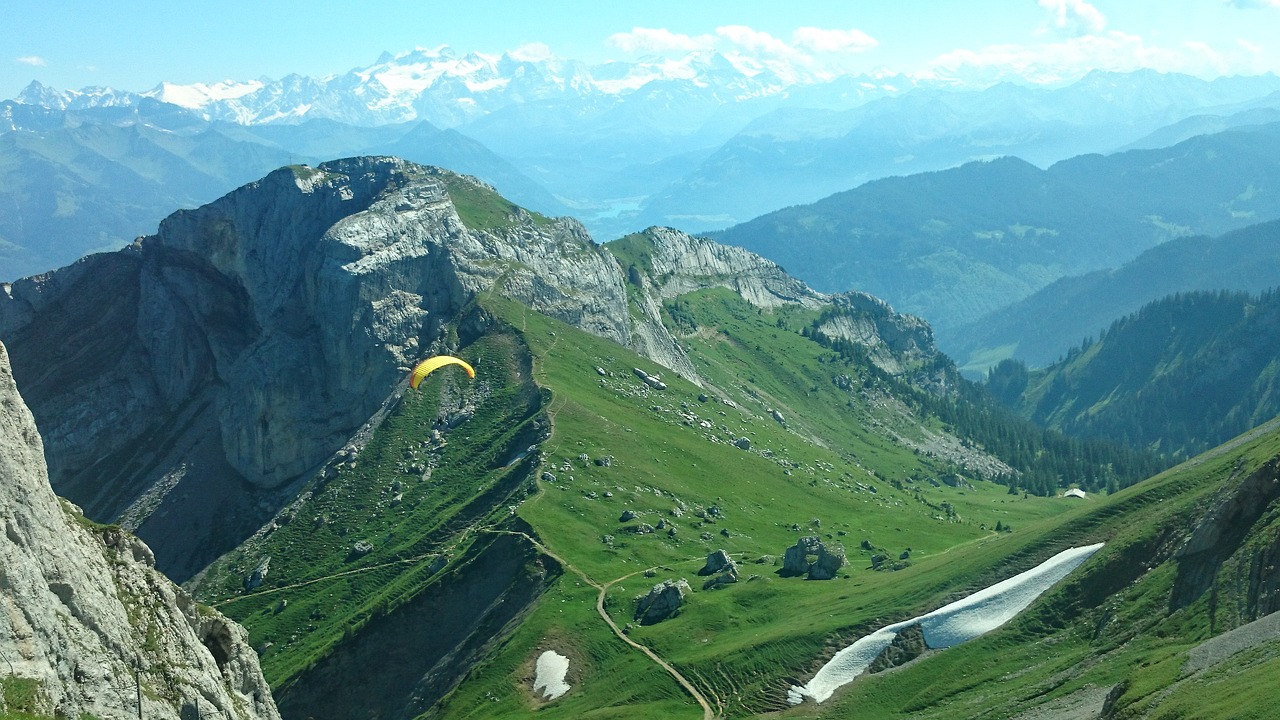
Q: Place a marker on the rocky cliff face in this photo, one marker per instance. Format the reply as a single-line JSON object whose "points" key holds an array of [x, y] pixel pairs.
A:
{"points": [[185, 385], [84, 615], [185, 382], [892, 340]]}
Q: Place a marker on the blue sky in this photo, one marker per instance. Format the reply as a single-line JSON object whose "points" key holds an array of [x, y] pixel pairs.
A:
{"points": [[135, 44]]}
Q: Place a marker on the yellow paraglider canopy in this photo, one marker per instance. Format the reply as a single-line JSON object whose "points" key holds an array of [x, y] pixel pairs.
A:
{"points": [[425, 367]]}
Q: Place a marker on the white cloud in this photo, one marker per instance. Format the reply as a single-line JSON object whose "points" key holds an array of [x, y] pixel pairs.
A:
{"points": [[832, 41], [754, 40], [33, 60], [1253, 4], [1074, 16], [659, 40], [531, 52]]}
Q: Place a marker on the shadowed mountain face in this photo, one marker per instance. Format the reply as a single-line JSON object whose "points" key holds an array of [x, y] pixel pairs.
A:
{"points": [[233, 351]]}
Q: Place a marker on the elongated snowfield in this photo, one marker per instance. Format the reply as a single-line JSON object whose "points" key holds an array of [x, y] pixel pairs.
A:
{"points": [[551, 669], [949, 625]]}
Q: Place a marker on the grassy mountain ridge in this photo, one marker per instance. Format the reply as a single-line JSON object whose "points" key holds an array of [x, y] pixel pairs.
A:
{"points": [[1181, 375], [424, 567], [1110, 631]]}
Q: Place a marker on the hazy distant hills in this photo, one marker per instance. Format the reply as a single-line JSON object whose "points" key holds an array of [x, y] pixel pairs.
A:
{"points": [[1179, 376], [795, 155], [83, 181], [955, 245], [699, 144], [1041, 328]]}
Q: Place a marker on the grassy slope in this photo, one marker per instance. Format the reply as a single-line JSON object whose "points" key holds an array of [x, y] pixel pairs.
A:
{"points": [[316, 590], [1109, 623], [744, 644], [741, 644]]}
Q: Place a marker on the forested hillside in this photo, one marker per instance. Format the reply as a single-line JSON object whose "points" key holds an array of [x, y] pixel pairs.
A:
{"points": [[1179, 376]]}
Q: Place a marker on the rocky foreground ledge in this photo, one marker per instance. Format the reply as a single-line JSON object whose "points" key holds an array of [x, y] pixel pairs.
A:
{"points": [[84, 615]]}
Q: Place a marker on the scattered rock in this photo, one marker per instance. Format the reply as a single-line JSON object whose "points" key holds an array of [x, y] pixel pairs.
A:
{"points": [[604, 460], [627, 516], [360, 549], [661, 602], [742, 443], [719, 581], [718, 561], [258, 575], [548, 477], [825, 564]]}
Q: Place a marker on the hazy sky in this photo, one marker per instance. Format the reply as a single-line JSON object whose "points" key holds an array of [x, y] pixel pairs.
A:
{"points": [[135, 44]]}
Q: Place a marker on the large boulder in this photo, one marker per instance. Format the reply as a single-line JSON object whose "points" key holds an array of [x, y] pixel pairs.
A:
{"points": [[812, 558], [718, 561], [828, 563], [662, 601]]}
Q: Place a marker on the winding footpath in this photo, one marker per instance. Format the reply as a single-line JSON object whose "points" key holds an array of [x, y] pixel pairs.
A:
{"points": [[707, 712]]}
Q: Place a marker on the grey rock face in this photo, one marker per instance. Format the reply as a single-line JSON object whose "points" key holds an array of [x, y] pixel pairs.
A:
{"points": [[82, 609], [828, 562], [662, 601], [686, 263], [246, 341], [889, 337]]}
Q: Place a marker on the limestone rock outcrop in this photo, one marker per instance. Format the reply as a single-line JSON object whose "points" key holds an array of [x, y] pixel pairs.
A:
{"points": [[891, 339], [682, 264], [83, 612], [185, 383]]}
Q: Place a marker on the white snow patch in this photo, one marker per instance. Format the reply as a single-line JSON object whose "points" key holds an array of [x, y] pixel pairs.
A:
{"points": [[551, 669], [949, 625]]}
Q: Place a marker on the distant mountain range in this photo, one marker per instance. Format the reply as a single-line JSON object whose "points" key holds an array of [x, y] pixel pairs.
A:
{"points": [[955, 245], [1042, 327], [697, 144]]}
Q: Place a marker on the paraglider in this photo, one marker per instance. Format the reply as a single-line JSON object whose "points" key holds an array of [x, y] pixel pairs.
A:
{"points": [[424, 368]]}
